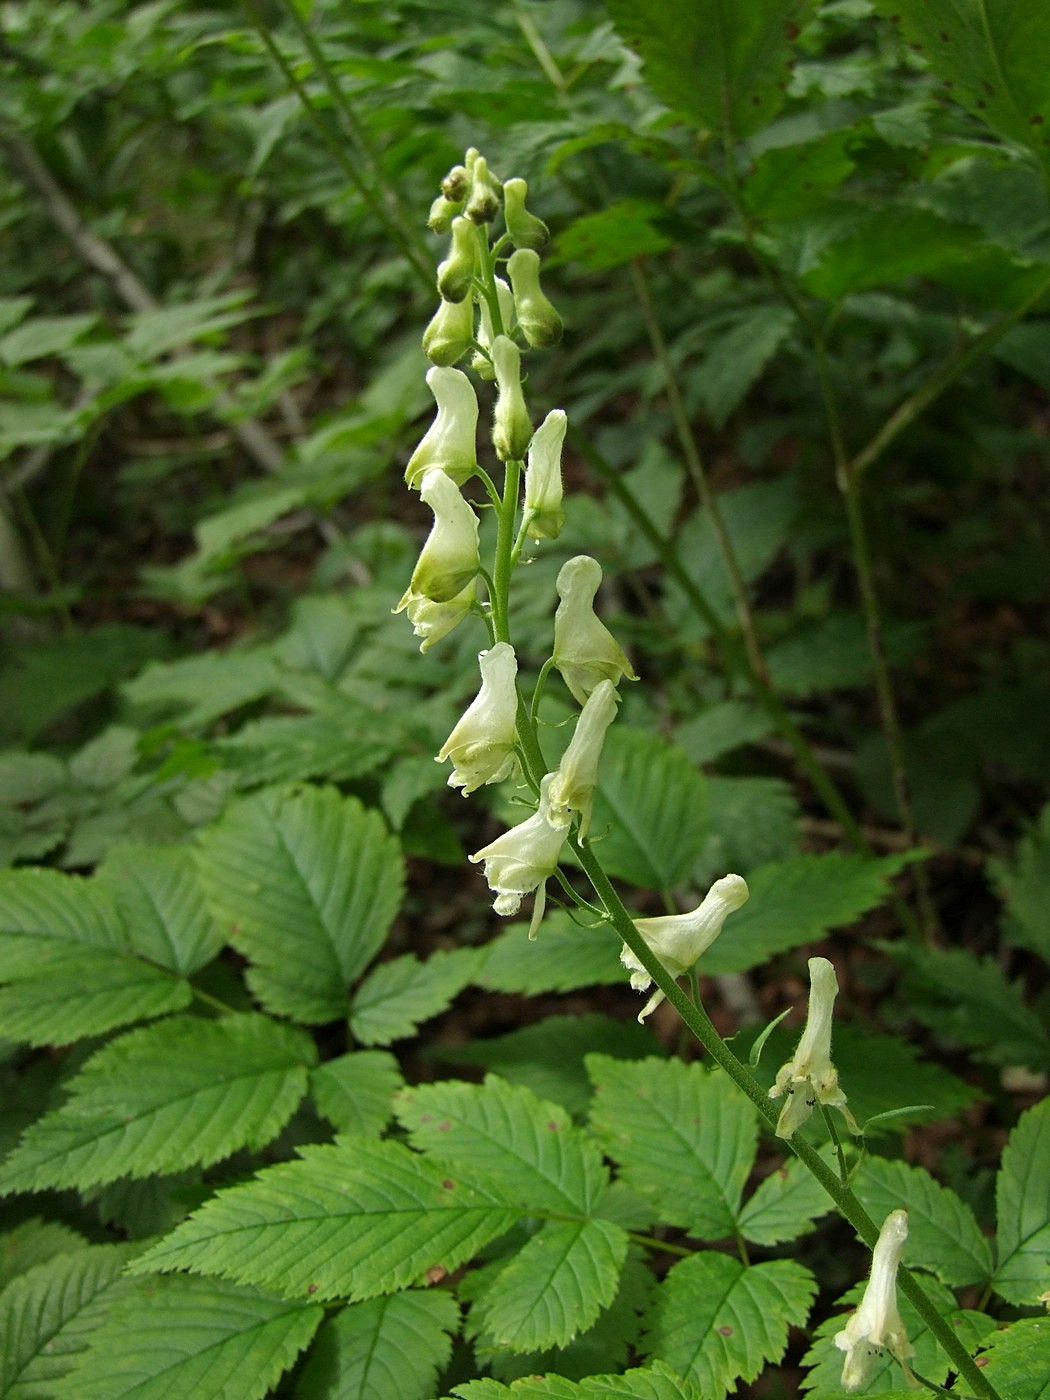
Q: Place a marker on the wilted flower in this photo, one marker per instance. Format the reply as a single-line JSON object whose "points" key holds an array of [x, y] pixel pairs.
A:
{"points": [[432, 621], [876, 1324], [585, 651], [809, 1077], [449, 560], [572, 786], [544, 515], [511, 428], [520, 860], [450, 443], [678, 939], [481, 746], [540, 323]]}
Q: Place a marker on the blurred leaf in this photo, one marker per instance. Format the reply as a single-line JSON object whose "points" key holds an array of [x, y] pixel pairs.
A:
{"points": [[1023, 884], [736, 359], [626, 229]]}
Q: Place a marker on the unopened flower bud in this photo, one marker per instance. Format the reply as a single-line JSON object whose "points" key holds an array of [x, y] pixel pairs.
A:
{"points": [[540, 323], [456, 273], [442, 212], [485, 190], [456, 184], [447, 338], [585, 651], [544, 515], [481, 364], [449, 560], [481, 746], [511, 429], [526, 231], [572, 787], [450, 444], [521, 860]]}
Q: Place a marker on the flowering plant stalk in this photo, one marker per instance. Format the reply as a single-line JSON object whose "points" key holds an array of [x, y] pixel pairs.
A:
{"points": [[498, 739]]}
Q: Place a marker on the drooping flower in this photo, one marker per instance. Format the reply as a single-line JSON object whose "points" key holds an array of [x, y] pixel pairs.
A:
{"points": [[521, 860], [540, 323], [450, 444], [572, 786], [511, 428], [432, 621], [449, 561], [585, 651], [482, 364], [544, 515], [481, 746], [809, 1077], [678, 939], [876, 1324]]}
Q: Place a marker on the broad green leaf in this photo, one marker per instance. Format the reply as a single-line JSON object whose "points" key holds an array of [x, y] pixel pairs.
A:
{"points": [[786, 1204], [990, 53], [342, 742], [716, 1320], [564, 956], [724, 64], [229, 532], [308, 882], [1023, 883], [167, 1337], [1017, 1359], [622, 230], [356, 1091], [201, 689], [886, 246], [650, 810], [720, 729], [656, 1382], [47, 1314], [397, 995], [1022, 1197], [158, 893], [69, 964], [736, 359], [528, 1148], [43, 335], [758, 822], [797, 901], [355, 1220], [683, 1136], [182, 1092], [943, 1236], [553, 1288], [832, 652], [34, 1242], [382, 1348], [153, 333]]}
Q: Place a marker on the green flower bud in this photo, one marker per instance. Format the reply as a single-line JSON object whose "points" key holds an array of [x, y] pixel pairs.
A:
{"points": [[540, 323], [526, 231], [485, 190], [456, 273], [585, 651], [442, 212], [450, 443], [511, 429], [449, 560], [544, 515], [456, 184], [447, 338], [481, 364]]}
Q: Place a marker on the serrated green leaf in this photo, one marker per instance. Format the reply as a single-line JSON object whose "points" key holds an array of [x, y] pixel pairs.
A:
{"points": [[736, 359], [656, 1382], [382, 1348], [397, 995], [158, 893], [797, 901], [201, 689], [650, 811], [355, 1220], [554, 1287], [308, 882], [1022, 1196], [47, 1313], [164, 1337], [341, 744], [716, 1320], [943, 1235], [69, 964], [182, 1092], [1023, 883], [527, 1147], [683, 1136], [562, 958], [724, 64], [34, 1242], [785, 1205], [1017, 1359], [356, 1091]]}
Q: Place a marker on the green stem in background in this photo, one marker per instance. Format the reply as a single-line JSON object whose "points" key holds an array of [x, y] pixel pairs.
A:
{"points": [[698, 1021]]}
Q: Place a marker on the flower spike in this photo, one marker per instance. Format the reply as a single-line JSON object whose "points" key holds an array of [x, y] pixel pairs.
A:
{"points": [[876, 1324], [809, 1077]]}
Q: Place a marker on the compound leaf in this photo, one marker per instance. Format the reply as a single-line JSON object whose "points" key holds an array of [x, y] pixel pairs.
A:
{"points": [[397, 995]]}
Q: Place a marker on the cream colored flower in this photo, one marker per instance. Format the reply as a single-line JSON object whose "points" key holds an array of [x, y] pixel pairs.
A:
{"points": [[520, 860], [679, 939], [432, 621], [449, 561], [585, 651], [450, 444], [481, 746], [511, 428], [876, 1324], [572, 786], [544, 515], [809, 1077]]}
